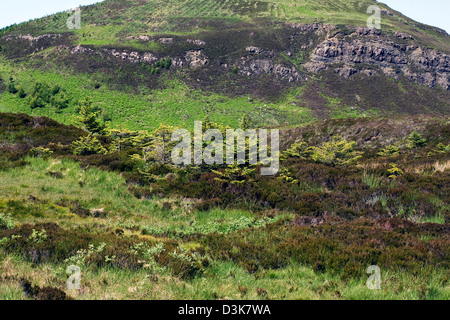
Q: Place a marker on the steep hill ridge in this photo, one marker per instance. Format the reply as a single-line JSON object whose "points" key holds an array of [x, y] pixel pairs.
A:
{"points": [[298, 55]]}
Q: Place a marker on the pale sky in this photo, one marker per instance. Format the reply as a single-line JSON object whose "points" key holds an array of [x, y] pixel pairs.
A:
{"points": [[17, 11], [432, 12]]}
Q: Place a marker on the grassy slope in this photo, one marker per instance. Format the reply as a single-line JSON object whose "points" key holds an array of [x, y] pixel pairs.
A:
{"points": [[33, 196], [171, 16], [177, 104], [220, 280]]}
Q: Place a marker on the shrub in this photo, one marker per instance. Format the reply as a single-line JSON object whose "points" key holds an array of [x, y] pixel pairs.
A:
{"points": [[37, 102], [22, 93], [235, 174], [164, 63], [60, 101], [87, 146], [12, 86], [37, 236], [42, 91], [336, 152], [442, 148], [89, 118], [186, 264], [415, 140], [299, 150], [46, 293], [394, 171], [40, 152], [6, 221], [390, 150], [245, 123]]}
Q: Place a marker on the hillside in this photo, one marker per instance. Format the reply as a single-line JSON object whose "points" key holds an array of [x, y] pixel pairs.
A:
{"points": [[283, 62], [87, 118]]}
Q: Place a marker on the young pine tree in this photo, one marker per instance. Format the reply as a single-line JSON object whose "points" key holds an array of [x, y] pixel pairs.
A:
{"points": [[89, 118]]}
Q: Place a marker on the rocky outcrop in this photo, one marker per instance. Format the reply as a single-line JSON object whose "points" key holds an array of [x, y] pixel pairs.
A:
{"points": [[166, 40], [196, 58], [361, 51], [31, 38], [266, 66], [22, 45], [371, 50], [132, 56], [77, 49], [128, 56], [196, 42]]}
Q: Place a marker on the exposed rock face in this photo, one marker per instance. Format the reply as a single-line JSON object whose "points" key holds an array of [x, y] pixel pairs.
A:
{"points": [[143, 38], [21, 45], [166, 40], [196, 42], [31, 38], [254, 50], [128, 56], [79, 49], [321, 47], [266, 66], [196, 58], [132, 56], [364, 50]]}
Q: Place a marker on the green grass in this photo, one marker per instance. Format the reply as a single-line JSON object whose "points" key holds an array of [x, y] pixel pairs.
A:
{"points": [[338, 110], [223, 280], [176, 104], [372, 180], [171, 16], [100, 189], [440, 219], [158, 13]]}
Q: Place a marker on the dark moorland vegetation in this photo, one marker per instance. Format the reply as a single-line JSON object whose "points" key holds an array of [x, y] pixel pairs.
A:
{"points": [[380, 204]]}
